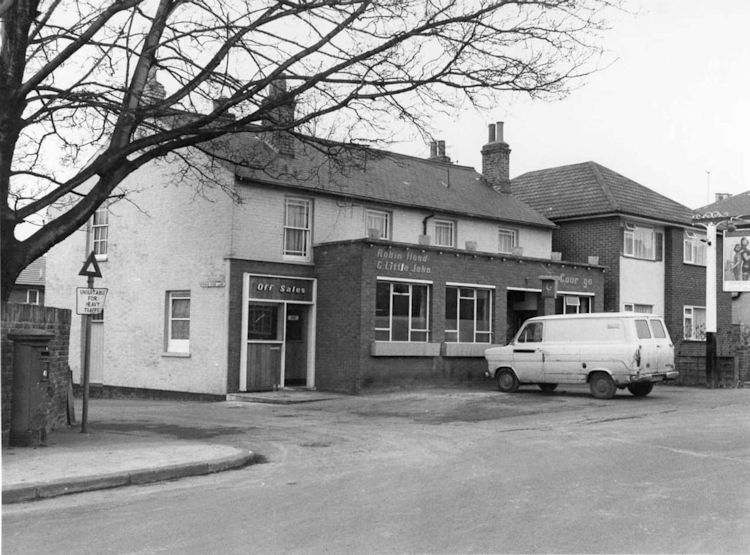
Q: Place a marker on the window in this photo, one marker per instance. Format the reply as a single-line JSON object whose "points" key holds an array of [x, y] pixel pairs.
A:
{"points": [[642, 329], [379, 221], [445, 233], [100, 232], [572, 304], [263, 322], [694, 322], [532, 333], [402, 311], [297, 228], [506, 240], [178, 321], [32, 296], [639, 308], [642, 242], [468, 315], [658, 328], [694, 248]]}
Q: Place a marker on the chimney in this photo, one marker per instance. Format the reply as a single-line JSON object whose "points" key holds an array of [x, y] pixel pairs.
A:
{"points": [[496, 159], [722, 196], [280, 116], [437, 152], [153, 91]]}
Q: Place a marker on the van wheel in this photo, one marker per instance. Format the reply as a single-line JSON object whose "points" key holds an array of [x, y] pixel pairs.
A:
{"points": [[548, 387], [602, 386], [641, 389], [507, 381]]}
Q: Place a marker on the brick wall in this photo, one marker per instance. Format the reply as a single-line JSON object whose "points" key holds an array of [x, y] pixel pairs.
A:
{"points": [[57, 321], [601, 237], [347, 274]]}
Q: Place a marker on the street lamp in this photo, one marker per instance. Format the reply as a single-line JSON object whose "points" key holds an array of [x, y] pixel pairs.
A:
{"points": [[712, 222]]}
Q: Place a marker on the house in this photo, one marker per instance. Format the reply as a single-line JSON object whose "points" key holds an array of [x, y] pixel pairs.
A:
{"points": [[30, 284], [330, 271], [655, 256]]}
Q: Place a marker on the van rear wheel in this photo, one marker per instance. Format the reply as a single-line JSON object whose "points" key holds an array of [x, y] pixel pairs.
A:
{"points": [[602, 385], [548, 387], [641, 389], [507, 381]]}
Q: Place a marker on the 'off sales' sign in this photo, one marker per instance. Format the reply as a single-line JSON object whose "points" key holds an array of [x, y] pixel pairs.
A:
{"points": [[90, 301]]}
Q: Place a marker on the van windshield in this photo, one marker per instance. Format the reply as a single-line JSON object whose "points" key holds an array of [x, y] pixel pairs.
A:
{"points": [[532, 333]]}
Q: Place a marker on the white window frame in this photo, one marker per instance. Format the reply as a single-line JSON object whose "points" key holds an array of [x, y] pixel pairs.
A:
{"points": [[635, 239], [503, 232], [176, 345], [449, 227], [100, 232], [638, 308], [36, 295], [688, 323], [411, 329], [473, 297], [379, 220], [305, 230], [694, 248]]}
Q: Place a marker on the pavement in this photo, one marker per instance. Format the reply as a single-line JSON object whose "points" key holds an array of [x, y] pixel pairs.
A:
{"points": [[70, 461]]}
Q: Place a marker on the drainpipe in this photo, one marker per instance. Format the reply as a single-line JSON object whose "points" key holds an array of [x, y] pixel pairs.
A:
{"points": [[424, 223]]}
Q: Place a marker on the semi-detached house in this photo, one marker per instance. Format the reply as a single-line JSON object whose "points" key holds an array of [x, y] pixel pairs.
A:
{"points": [[365, 269], [655, 256]]}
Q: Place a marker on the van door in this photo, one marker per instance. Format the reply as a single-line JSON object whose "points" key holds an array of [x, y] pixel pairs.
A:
{"points": [[649, 351], [663, 345], [528, 356]]}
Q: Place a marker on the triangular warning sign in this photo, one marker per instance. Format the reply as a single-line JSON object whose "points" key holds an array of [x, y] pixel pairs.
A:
{"points": [[90, 267]]}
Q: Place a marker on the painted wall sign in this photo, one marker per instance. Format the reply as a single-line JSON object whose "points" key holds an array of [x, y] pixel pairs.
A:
{"points": [[565, 281], [280, 288], [406, 261]]}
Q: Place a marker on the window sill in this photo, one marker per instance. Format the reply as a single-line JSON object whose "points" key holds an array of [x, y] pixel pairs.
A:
{"points": [[404, 349], [175, 355], [693, 264], [465, 349]]}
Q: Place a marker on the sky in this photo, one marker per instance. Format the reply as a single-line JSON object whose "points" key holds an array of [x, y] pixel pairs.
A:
{"points": [[671, 113]]}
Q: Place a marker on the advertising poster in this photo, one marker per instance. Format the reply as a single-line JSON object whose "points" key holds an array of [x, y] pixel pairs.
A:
{"points": [[736, 260]]}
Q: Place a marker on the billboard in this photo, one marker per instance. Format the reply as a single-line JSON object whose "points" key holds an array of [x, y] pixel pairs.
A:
{"points": [[736, 260]]}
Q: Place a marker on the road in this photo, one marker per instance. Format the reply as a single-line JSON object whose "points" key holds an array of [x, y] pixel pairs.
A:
{"points": [[431, 471]]}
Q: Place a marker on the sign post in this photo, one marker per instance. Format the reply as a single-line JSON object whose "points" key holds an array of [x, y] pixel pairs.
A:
{"points": [[88, 301]]}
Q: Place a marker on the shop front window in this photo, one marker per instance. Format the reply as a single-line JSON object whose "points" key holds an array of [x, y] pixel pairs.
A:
{"points": [[468, 315], [573, 304], [402, 311]]}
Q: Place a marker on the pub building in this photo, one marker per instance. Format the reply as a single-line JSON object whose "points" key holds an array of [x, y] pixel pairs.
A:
{"points": [[379, 270]]}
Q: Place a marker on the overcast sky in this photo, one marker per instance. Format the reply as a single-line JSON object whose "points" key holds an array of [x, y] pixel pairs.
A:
{"points": [[675, 105]]}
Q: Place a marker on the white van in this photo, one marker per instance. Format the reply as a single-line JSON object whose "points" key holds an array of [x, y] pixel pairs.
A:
{"points": [[607, 350]]}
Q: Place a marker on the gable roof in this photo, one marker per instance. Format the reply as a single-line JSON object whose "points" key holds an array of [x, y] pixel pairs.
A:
{"points": [[384, 177], [590, 189], [34, 273]]}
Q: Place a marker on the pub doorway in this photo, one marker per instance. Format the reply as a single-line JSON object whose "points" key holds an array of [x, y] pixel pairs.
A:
{"points": [[279, 335], [522, 305]]}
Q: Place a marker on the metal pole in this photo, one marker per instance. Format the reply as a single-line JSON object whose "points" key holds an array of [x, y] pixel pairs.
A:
{"points": [[711, 305], [86, 364]]}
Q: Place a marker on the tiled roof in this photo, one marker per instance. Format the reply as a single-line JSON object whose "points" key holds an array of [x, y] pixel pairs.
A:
{"points": [[590, 189], [384, 177], [737, 205], [34, 273]]}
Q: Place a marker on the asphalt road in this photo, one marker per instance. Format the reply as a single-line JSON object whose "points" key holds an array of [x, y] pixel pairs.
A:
{"points": [[436, 471]]}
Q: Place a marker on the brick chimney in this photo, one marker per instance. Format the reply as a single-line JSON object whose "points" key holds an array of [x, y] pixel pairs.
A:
{"points": [[437, 152], [281, 116], [496, 159]]}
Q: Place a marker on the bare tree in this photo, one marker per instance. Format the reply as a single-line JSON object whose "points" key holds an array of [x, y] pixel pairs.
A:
{"points": [[82, 107]]}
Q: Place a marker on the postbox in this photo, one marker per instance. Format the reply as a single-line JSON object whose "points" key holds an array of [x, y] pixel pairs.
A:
{"points": [[30, 386]]}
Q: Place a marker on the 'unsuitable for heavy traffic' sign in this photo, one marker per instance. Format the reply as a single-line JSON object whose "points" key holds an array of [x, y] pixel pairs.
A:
{"points": [[90, 301]]}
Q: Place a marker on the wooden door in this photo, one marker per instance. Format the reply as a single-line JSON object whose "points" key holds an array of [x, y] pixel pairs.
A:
{"points": [[263, 366]]}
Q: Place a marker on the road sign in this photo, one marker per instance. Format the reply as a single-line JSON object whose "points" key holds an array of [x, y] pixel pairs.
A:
{"points": [[90, 301], [90, 267]]}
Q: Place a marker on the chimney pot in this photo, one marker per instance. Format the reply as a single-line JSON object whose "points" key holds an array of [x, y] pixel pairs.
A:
{"points": [[491, 138], [499, 127], [441, 148], [433, 149]]}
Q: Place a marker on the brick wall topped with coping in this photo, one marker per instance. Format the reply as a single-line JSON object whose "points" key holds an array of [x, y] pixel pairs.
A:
{"points": [[18, 317]]}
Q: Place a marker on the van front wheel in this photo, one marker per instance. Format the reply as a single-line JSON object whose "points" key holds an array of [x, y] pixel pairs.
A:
{"points": [[602, 386], [641, 389], [507, 381]]}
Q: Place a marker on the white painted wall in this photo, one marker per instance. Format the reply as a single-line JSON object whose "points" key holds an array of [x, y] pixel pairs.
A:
{"points": [[642, 282], [171, 239]]}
